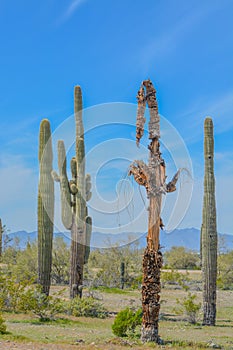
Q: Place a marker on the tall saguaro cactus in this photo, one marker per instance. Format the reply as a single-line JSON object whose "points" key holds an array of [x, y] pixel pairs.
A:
{"points": [[152, 177], [74, 195], [209, 230], [45, 206]]}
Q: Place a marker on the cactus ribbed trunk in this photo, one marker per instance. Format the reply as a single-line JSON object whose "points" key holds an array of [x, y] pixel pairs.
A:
{"points": [[74, 195], [78, 234], [209, 230], [45, 207]]}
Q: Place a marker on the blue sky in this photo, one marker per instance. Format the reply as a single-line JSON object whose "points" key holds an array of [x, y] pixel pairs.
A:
{"points": [[47, 47]]}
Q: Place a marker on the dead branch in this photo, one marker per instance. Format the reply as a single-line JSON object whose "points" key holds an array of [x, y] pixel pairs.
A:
{"points": [[140, 115], [154, 129], [140, 172], [171, 186], [161, 224]]}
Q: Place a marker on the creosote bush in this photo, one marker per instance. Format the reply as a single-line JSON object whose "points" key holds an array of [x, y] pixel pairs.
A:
{"points": [[126, 321], [26, 297], [2, 325], [174, 277], [189, 307], [12, 293], [41, 305], [225, 271], [87, 307], [179, 257]]}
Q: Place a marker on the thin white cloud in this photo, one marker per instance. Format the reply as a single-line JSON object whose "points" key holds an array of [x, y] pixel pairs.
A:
{"points": [[219, 108], [167, 41], [75, 4]]}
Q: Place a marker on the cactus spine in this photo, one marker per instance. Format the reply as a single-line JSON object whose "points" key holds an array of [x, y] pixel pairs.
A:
{"points": [[209, 230], [45, 206], [74, 195]]}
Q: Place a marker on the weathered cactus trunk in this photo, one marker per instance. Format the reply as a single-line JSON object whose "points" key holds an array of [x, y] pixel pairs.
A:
{"points": [[209, 230], [152, 177], [74, 195], [122, 275], [45, 207]]}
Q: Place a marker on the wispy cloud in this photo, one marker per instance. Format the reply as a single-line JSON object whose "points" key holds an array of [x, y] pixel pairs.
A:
{"points": [[74, 5], [219, 108], [167, 41]]}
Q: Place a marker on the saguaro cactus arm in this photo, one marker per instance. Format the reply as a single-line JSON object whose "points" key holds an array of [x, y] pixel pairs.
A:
{"points": [[66, 209], [88, 187], [88, 229]]}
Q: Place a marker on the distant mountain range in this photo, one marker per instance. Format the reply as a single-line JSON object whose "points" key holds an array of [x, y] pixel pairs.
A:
{"points": [[189, 238]]}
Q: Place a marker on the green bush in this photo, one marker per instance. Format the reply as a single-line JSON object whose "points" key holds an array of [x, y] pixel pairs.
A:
{"points": [[41, 305], [87, 307], [181, 258], [25, 296], [126, 321], [225, 271], [189, 307], [2, 325], [175, 277], [11, 292]]}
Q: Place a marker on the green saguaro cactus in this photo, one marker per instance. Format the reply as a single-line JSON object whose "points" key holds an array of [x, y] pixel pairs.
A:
{"points": [[209, 230], [74, 195], [45, 206]]}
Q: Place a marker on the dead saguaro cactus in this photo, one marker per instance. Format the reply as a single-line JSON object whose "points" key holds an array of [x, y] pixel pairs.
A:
{"points": [[74, 195], [152, 177], [209, 230]]}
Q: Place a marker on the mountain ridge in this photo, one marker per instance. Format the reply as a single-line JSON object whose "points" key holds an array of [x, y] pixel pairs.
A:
{"points": [[189, 238]]}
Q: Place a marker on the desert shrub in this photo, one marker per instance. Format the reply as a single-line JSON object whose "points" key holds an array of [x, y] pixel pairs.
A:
{"points": [[175, 277], [181, 258], [11, 293], [189, 307], [105, 265], [24, 263], [2, 325], [60, 262], [26, 267], [25, 296], [225, 271], [87, 307], [126, 321], [41, 305]]}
